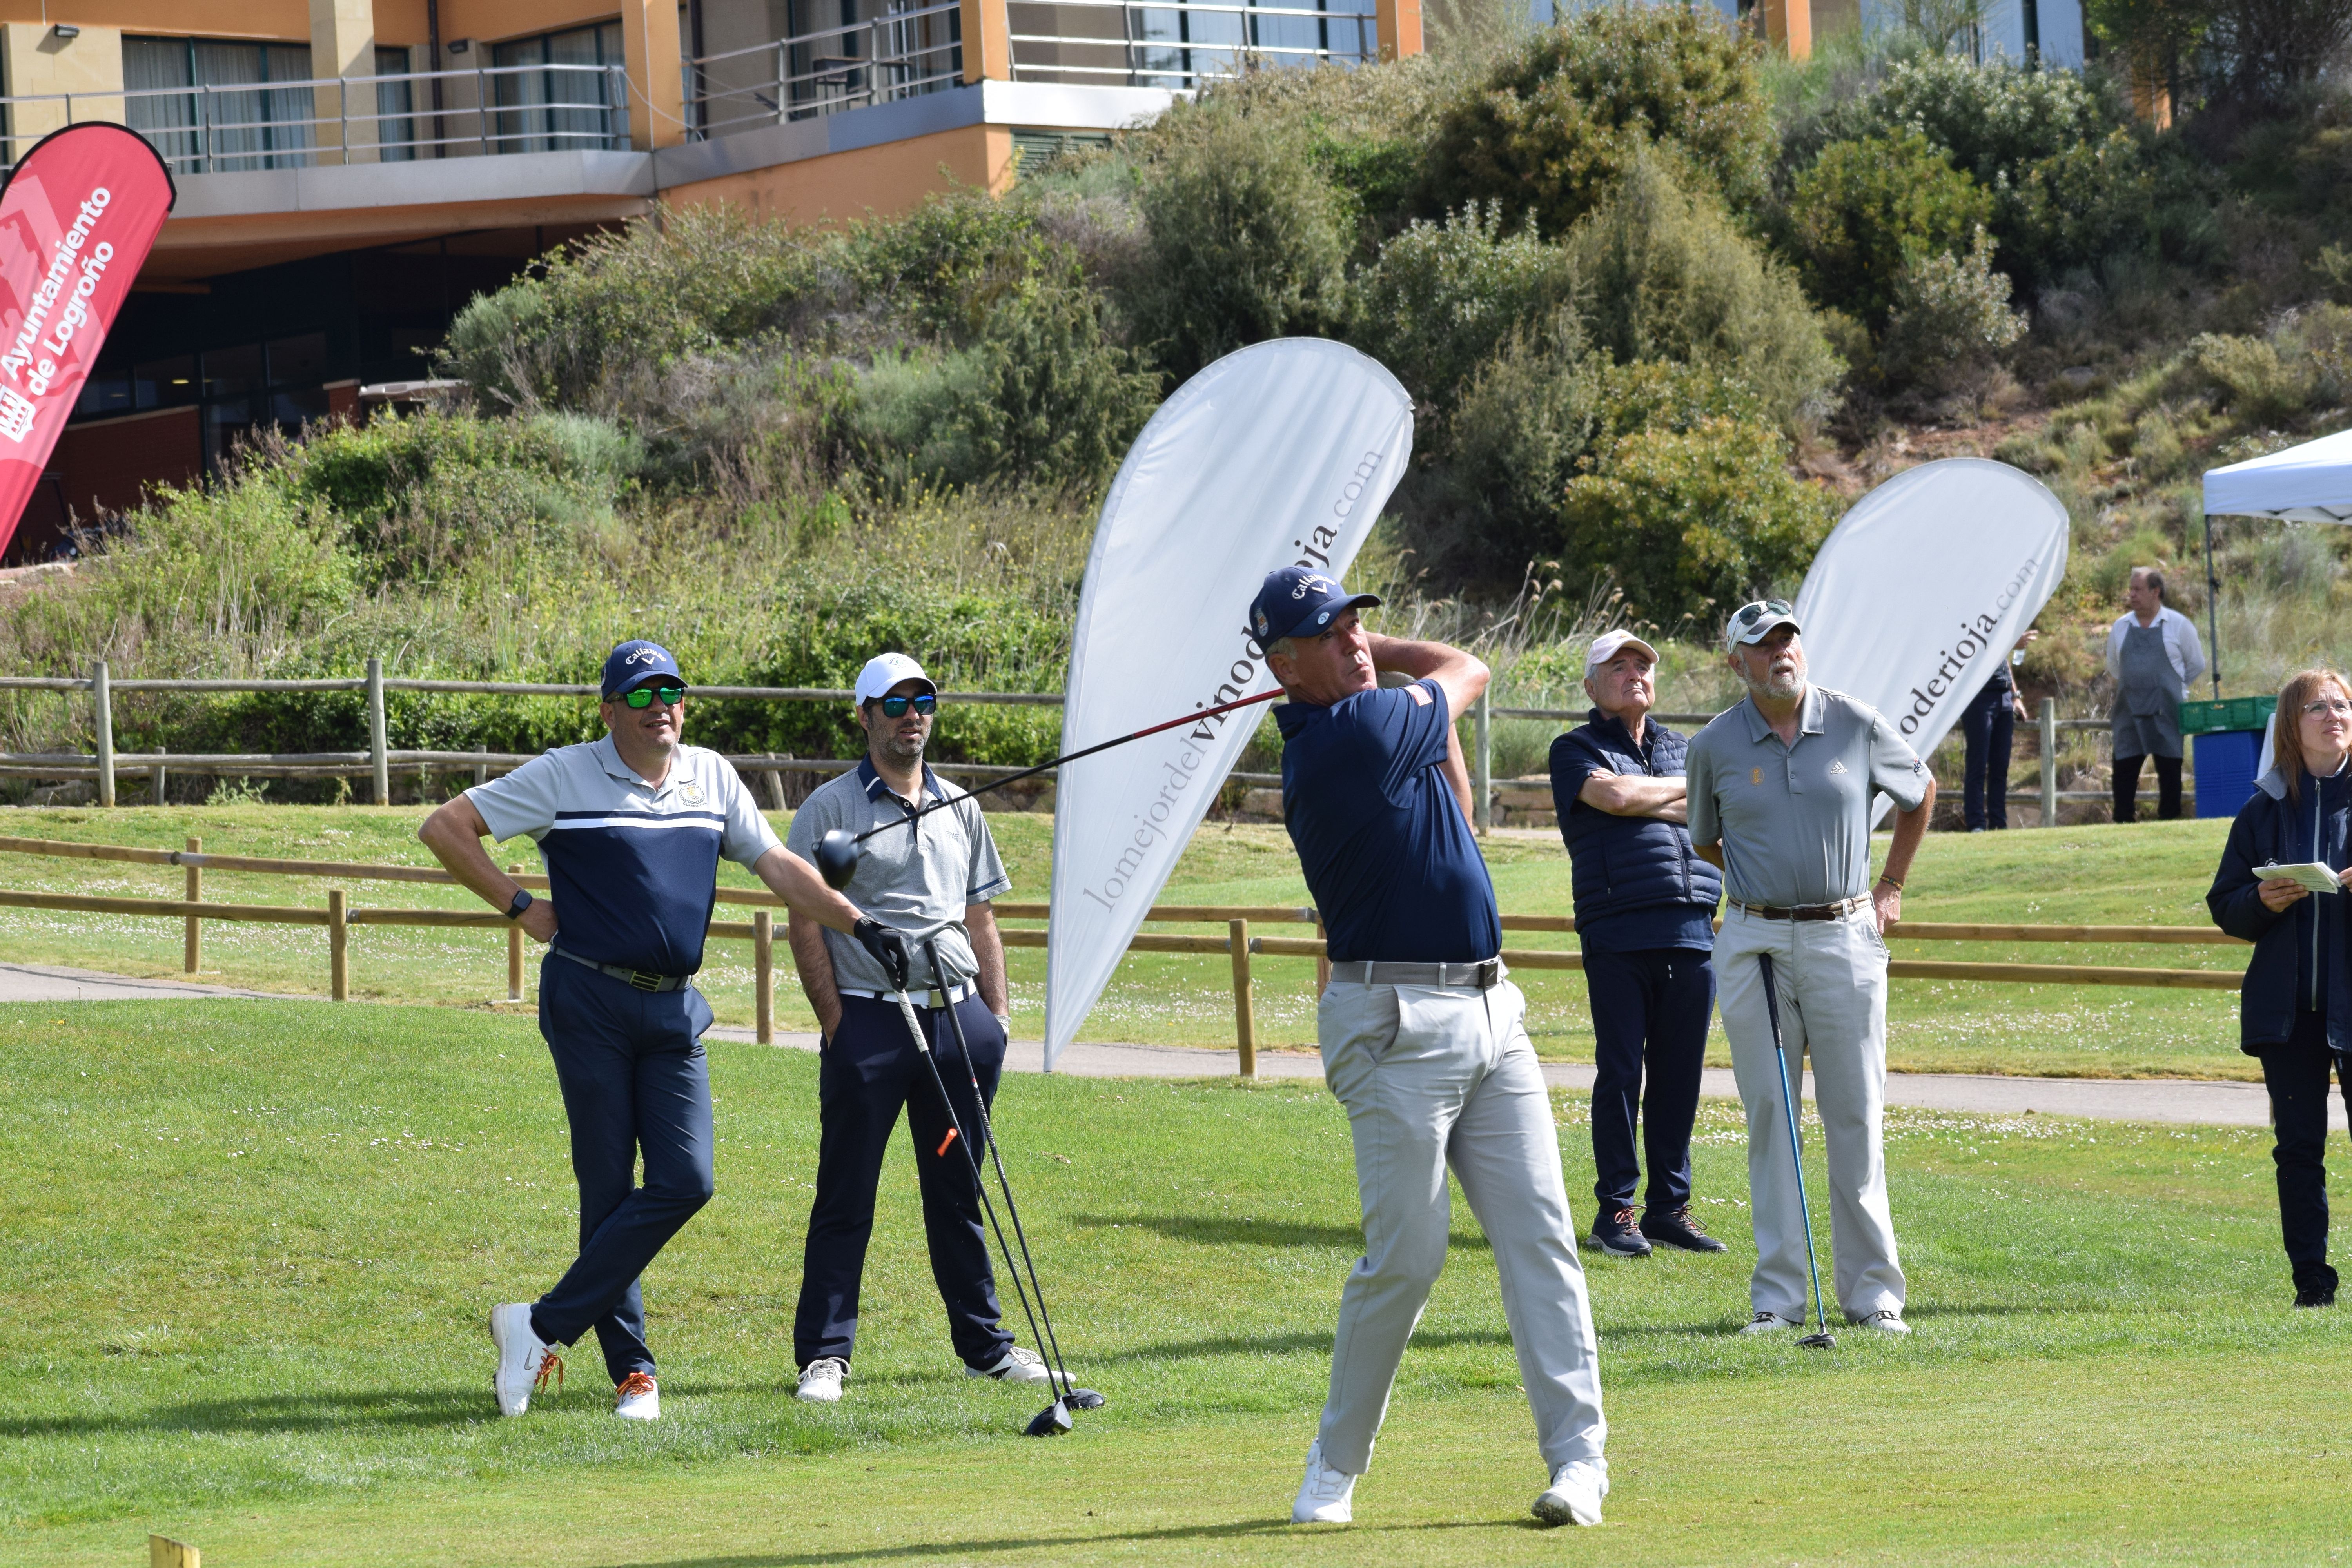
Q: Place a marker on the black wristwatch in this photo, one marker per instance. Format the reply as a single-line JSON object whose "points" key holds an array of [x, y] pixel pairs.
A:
{"points": [[521, 902]]}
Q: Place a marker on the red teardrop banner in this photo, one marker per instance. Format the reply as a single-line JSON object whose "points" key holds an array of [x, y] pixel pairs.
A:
{"points": [[78, 216]]}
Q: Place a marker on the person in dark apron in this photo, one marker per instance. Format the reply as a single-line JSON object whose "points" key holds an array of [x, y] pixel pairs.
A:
{"points": [[2149, 684]]}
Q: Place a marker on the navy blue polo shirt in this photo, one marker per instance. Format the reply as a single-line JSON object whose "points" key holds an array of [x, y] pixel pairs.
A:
{"points": [[1388, 855]]}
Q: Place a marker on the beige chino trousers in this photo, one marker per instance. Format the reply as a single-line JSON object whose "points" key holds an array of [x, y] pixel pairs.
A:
{"points": [[1831, 977], [1433, 1077]]}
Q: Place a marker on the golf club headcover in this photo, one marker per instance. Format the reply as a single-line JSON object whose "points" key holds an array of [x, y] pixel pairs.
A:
{"points": [[888, 948]]}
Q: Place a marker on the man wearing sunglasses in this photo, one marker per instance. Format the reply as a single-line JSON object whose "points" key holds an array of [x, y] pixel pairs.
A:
{"points": [[931, 878], [632, 828], [1781, 789]]}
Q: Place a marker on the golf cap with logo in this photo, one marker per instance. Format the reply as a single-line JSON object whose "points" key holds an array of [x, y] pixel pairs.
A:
{"points": [[1298, 602], [629, 665], [884, 670], [1609, 644], [1755, 622]]}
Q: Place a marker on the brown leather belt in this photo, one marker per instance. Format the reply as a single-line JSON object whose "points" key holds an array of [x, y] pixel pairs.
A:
{"points": [[1836, 912]]}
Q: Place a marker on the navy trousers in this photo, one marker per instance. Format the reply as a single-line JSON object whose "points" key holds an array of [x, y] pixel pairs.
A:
{"points": [[1986, 725], [1649, 1010], [869, 1072], [634, 1081], [2296, 1073]]}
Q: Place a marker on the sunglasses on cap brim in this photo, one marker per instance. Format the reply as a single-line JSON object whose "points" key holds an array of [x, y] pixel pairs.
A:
{"points": [[1746, 618], [643, 695], [921, 702]]}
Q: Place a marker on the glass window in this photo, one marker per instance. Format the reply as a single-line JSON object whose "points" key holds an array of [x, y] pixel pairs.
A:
{"points": [[231, 373], [297, 360], [295, 410], [396, 132], [165, 382], [174, 97], [104, 395], [567, 104]]}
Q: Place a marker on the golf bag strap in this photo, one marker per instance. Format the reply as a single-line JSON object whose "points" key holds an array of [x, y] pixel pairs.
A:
{"points": [[1481, 976]]}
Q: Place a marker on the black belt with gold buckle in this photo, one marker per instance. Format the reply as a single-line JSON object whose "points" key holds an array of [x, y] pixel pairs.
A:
{"points": [[641, 979]]}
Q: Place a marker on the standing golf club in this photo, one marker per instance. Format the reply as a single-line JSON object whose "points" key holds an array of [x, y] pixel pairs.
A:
{"points": [[1822, 1340], [837, 851], [1055, 1417]]}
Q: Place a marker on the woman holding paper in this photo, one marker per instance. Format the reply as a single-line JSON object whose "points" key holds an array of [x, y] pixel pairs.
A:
{"points": [[2294, 1009]]}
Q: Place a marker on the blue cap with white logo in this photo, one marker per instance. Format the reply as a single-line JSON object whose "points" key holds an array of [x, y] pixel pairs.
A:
{"points": [[628, 666], [1298, 602]]}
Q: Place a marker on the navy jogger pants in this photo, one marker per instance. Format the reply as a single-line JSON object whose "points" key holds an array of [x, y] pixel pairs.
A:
{"points": [[1650, 1010]]}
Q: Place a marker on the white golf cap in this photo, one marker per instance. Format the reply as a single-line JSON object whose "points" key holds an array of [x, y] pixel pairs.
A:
{"points": [[1755, 622], [884, 670], [1609, 644]]}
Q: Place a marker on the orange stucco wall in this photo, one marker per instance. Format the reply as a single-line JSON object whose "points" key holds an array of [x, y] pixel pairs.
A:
{"points": [[497, 19], [886, 180], [288, 21]]}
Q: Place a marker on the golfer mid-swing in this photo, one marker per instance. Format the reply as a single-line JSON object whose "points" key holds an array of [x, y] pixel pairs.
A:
{"points": [[632, 828], [1424, 1038]]}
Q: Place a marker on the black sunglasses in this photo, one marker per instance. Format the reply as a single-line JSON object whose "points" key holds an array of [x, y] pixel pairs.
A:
{"points": [[922, 702], [643, 695], [1747, 615]]}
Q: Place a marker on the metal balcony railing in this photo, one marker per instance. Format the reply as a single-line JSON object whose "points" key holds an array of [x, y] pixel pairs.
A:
{"points": [[904, 54], [1119, 43], [225, 127]]}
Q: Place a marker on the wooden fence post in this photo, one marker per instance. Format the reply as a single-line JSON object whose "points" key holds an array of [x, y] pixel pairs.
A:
{"points": [[482, 770], [2050, 761], [156, 779], [764, 965], [193, 950], [162, 1551], [1244, 1025], [1322, 958], [1482, 787], [339, 947], [775, 784], [514, 949], [101, 697], [379, 762]]}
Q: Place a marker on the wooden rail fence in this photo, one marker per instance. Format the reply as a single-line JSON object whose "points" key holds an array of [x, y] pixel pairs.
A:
{"points": [[1239, 943]]}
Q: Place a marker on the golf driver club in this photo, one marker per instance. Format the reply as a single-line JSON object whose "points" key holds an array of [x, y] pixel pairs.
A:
{"points": [[1822, 1340], [837, 851], [1056, 1417]]}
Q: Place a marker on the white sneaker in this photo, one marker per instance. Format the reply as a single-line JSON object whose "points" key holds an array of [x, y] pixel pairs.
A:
{"points": [[1327, 1496], [525, 1361], [1020, 1366], [1769, 1323], [1575, 1493], [637, 1398], [821, 1380], [1886, 1321]]}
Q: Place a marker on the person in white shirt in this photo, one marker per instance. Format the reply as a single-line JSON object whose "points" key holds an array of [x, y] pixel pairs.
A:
{"points": [[2155, 656]]}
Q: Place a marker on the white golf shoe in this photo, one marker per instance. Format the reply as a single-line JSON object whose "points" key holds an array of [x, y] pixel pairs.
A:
{"points": [[1885, 1321], [1020, 1364], [637, 1398], [821, 1380], [525, 1361], [1575, 1493], [1769, 1323], [1327, 1496]]}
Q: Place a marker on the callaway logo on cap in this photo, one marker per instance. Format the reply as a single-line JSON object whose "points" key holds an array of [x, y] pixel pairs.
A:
{"points": [[1294, 600]]}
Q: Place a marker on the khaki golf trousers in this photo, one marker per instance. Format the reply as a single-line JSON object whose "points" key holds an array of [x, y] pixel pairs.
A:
{"points": [[1832, 976], [1439, 1076]]}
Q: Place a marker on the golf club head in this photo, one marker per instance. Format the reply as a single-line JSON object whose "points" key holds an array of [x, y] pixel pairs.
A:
{"points": [[1085, 1399], [1823, 1341], [836, 858], [1050, 1422]]}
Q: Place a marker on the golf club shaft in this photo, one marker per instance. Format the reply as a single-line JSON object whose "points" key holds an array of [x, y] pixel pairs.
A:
{"points": [[1071, 757], [1788, 1105], [996, 1157]]}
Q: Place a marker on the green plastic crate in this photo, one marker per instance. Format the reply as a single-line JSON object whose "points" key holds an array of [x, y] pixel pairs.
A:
{"points": [[2226, 714]]}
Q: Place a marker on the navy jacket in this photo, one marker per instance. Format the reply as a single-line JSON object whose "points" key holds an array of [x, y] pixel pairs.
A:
{"points": [[1622, 863], [2309, 935]]}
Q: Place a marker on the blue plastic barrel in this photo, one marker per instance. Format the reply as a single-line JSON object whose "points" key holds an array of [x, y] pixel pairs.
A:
{"points": [[2225, 770]]}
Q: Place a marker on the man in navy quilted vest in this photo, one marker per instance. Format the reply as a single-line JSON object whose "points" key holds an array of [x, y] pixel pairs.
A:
{"points": [[1644, 917]]}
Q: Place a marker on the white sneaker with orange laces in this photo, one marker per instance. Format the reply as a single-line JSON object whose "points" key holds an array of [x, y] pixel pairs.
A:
{"points": [[637, 1398], [525, 1361]]}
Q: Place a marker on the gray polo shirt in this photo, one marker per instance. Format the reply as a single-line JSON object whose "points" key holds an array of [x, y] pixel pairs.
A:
{"points": [[917, 878], [1794, 821]]}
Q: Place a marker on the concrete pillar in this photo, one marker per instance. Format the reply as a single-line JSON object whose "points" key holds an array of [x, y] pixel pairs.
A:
{"points": [[987, 40], [343, 43], [39, 63], [649, 45], [1400, 28]]}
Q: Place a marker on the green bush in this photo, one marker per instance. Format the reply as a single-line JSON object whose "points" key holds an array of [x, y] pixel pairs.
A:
{"points": [[1442, 297], [1560, 119], [1865, 208], [1491, 502], [1951, 313]]}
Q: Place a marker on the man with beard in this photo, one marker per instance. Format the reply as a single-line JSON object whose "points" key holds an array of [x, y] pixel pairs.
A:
{"points": [[1780, 790], [933, 882]]}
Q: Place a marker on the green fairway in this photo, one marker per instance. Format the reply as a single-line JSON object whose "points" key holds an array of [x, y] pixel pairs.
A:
{"points": [[253, 1245], [2152, 874]]}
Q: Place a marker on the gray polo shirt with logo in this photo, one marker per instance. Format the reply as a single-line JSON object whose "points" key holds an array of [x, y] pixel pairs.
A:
{"points": [[1794, 821], [917, 877]]}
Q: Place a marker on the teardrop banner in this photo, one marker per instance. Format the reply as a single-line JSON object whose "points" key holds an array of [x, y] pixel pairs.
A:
{"points": [[1282, 453], [78, 216]]}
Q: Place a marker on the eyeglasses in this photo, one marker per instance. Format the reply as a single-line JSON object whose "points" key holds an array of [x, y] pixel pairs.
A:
{"points": [[643, 695], [923, 703], [1744, 618], [2326, 706]]}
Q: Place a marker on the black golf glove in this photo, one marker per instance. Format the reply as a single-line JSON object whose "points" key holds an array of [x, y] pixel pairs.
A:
{"points": [[888, 948]]}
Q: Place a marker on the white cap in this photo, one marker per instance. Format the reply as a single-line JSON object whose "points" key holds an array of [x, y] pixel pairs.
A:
{"points": [[884, 670], [1609, 644]]}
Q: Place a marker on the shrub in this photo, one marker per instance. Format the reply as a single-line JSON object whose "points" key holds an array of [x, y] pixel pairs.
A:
{"points": [[1523, 419], [1443, 297], [1951, 313], [1560, 119], [1865, 208], [2252, 377], [1995, 120]]}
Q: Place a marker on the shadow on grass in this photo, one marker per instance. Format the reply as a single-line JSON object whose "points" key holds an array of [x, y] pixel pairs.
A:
{"points": [[280, 1413], [1220, 1230], [949, 1550]]}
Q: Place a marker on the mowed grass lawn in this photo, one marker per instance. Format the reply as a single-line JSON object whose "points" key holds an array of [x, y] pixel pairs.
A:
{"points": [[251, 1246], [2150, 874]]}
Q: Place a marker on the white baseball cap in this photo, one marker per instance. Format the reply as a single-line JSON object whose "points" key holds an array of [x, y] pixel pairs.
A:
{"points": [[1609, 644], [884, 670]]}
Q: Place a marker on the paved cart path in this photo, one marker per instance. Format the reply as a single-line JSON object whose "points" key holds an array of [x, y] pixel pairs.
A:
{"points": [[2197, 1100]]}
